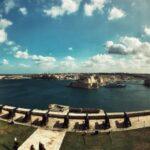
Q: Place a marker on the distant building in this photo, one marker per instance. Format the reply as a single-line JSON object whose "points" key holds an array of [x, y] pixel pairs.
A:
{"points": [[88, 82]]}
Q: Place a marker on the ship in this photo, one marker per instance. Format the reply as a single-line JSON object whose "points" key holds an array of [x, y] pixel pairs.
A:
{"points": [[116, 85]]}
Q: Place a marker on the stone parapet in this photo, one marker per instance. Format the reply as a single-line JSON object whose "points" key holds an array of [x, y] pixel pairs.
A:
{"points": [[75, 115]]}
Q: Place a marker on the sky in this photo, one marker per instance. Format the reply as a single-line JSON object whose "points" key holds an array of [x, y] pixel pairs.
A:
{"points": [[58, 36]]}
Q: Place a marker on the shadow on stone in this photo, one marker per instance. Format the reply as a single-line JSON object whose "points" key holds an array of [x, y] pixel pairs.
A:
{"points": [[20, 119], [58, 124], [119, 124], [78, 126], [98, 126], [36, 122], [9, 115]]}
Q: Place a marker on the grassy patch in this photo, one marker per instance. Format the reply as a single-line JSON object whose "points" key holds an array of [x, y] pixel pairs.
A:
{"points": [[8, 132], [128, 140]]}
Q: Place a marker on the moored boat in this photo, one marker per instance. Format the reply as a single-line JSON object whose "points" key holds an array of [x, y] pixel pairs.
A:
{"points": [[116, 85]]}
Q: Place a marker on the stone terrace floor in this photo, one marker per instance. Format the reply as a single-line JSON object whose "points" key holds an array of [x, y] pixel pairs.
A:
{"points": [[52, 140]]}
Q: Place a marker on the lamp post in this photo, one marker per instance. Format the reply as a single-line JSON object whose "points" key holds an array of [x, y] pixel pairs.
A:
{"points": [[16, 144]]}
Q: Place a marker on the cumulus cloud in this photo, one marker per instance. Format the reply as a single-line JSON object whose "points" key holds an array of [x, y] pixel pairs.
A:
{"points": [[4, 23], [147, 30], [23, 11], [70, 49], [111, 63], [5, 62], [102, 58], [10, 43], [115, 48], [130, 42], [22, 54], [66, 7], [94, 5], [9, 5], [116, 13], [129, 45], [69, 58], [24, 65], [99, 59], [44, 62], [3, 36], [68, 64], [98, 63], [39, 59]]}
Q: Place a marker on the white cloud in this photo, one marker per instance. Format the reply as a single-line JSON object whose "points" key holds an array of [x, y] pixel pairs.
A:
{"points": [[66, 7], [130, 42], [116, 13], [111, 63], [68, 64], [98, 63], [39, 59], [94, 5], [147, 30], [115, 48], [129, 45], [22, 54], [99, 59], [24, 65], [9, 5], [3, 36], [70, 49], [15, 48], [10, 43], [23, 11], [69, 58], [44, 62], [4, 23], [102, 58], [5, 62]]}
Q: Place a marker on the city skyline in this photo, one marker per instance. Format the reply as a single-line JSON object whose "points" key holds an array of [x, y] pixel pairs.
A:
{"points": [[74, 36]]}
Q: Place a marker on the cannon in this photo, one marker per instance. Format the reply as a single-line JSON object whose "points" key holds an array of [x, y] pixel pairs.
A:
{"points": [[1, 108], [66, 121], [11, 113], [106, 123], [44, 120], [86, 122], [27, 116], [127, 122]]}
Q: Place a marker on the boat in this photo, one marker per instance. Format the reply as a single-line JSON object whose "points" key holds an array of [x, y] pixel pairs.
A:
{"points": [[116, 85]]}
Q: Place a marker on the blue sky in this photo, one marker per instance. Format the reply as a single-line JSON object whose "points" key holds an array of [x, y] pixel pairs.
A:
{"points": [[74, 36]]}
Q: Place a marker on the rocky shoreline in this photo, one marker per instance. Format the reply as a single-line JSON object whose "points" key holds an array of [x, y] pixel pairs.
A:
{"points": [[97, 81], [84, 80]]}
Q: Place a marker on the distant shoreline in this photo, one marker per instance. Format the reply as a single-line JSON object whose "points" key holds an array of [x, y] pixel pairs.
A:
{"points": [[68, 76]]}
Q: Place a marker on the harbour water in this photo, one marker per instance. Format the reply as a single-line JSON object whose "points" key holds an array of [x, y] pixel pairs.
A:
{"points": [[40, 93]]}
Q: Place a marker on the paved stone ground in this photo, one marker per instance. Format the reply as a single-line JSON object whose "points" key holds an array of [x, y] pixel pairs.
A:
{"points": [[137, 122], [56, 123], [52, 140]]}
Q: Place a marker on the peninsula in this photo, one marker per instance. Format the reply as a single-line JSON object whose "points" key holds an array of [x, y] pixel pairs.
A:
{"points": [[83, 80]]}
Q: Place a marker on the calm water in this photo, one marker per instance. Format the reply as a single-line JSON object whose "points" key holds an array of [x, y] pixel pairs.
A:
{"points": [[40, 93]]}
